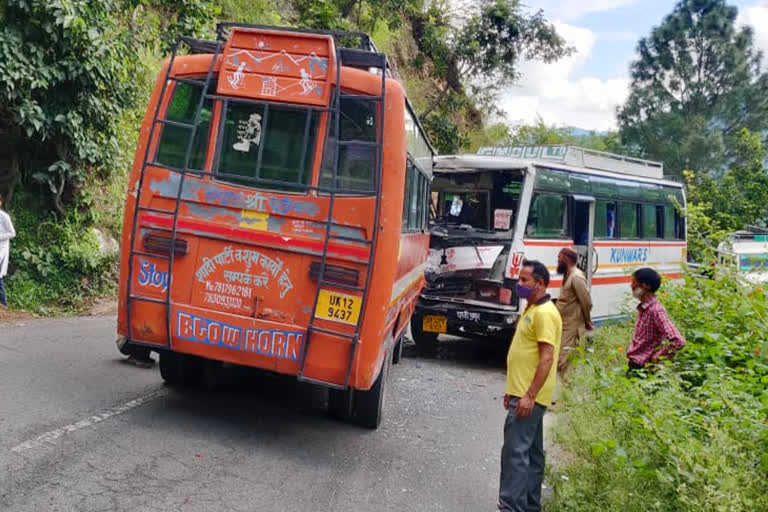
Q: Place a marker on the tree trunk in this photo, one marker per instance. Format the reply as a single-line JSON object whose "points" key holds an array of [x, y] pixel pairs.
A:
{"points": [[14, 179], [435, 102], [347, 9]]}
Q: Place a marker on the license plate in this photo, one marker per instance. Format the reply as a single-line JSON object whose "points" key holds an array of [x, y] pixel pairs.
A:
{"points": [[434, 323], [338, 307]]}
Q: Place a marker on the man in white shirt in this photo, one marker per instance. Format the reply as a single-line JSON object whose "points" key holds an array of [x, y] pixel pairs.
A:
{"points": [[6, 233]]}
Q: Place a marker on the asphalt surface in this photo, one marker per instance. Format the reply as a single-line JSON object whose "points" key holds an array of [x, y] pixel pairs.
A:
{"points": [[80, 430]]}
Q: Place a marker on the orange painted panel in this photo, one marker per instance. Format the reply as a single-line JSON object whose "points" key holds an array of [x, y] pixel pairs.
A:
{"points": [[292, 68]]}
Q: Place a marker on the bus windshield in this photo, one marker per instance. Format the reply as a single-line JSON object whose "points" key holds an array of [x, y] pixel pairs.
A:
{"points": [[757, 262], [480, 202]]}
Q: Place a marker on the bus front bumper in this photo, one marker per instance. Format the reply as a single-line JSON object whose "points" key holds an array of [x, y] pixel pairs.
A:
{"points": [[470, 317]]}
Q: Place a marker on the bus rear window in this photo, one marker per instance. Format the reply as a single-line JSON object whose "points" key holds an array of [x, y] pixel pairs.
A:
{"points": [[174, 139], [269, 146], [357, 147]]}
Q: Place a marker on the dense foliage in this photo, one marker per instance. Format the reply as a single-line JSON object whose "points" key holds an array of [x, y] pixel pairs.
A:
{"points": [[471, 57], [74, 80], [692, 436], [717, 207], [697, 81], [66, 72]]}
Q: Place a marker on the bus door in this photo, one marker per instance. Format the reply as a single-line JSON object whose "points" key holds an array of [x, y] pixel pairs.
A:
{"points": [[583, 234]]}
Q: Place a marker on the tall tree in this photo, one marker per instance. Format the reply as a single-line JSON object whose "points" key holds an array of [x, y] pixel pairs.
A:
{"points": [[696, 83], [474, 54], [68, 72]]}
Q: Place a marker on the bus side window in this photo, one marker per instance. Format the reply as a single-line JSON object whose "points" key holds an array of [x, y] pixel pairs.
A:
{"points": [[174, 139], [605, 219], [416, 197], [407, 195], [548, 217], [413, 217], [679, 226], [628, 220], [659, 222], [650, 227]]}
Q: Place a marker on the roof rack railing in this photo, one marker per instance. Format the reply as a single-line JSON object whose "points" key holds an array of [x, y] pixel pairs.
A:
{"points": [[758, 230], [366, 55]]}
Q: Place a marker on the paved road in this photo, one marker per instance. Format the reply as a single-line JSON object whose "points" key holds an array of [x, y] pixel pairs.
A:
{"points": [[82, 431]]}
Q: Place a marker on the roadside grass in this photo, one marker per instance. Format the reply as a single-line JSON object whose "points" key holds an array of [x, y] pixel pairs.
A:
{"points": [[690, 436]]}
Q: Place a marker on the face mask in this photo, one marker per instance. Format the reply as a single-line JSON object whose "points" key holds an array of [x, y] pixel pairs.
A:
{"points": [[637, 293], [561, 268], [523, 291]]}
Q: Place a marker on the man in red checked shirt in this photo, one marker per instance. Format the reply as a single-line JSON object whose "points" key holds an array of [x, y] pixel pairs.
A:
{"points": [[653, 324]]}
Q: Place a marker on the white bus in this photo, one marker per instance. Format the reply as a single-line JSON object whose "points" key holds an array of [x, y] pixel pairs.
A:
{"points": [[492, 210], [746, 253]]}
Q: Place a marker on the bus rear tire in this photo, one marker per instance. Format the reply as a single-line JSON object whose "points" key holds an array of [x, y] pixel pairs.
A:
{"points": [[170, 368], [368, 406], [426, 342], [340, 404], [180, 369]]}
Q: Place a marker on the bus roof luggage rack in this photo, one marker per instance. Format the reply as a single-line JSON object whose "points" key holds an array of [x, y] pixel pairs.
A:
{"points": [[580, 157], [757, 230], [365, 43], [200, 45]]}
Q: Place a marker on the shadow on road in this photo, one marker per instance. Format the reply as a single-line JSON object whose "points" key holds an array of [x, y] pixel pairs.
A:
{"points": [[467, 352], [255, 404]]}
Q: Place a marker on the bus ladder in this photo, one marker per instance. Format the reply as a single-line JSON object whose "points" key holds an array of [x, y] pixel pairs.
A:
{"points": [[360, 59], [182, 173]]}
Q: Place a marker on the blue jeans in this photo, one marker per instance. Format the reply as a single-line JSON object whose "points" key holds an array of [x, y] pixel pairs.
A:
{"points": [[522, 461], [2, 293]]}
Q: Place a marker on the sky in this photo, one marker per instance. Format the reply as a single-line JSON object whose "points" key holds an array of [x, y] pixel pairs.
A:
{"points": [[584, 90]]}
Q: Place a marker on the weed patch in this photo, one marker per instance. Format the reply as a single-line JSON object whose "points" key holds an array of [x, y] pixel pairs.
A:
{"points": [[690, 436]]}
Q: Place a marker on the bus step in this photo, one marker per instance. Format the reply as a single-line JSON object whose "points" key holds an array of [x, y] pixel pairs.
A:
{"points": [[329, 332], [186, 126], [309, 380], [348, 287], [155, 210], [147, 299], [188, 81], [350, 239], [151, 255]]}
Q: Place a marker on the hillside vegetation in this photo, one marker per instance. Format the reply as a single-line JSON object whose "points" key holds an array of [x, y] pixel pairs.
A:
{"points": [[75, 78]]}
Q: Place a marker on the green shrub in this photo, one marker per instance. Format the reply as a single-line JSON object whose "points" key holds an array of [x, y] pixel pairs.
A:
{"points": [[690, 436], [56, 263]]}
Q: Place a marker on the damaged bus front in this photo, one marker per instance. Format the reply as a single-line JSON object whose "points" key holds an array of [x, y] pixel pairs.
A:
{"points": [[476, 250]]}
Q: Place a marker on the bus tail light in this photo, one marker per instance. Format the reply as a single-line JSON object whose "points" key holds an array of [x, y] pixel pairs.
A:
{"points": [[335, 274], [161, 244]]}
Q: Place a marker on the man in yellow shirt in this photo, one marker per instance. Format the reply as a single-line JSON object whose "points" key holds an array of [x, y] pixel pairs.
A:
{"points": [[531, 374]]}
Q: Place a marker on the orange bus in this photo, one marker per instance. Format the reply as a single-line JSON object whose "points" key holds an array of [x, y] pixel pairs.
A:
{"points": [[277, 214]]}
